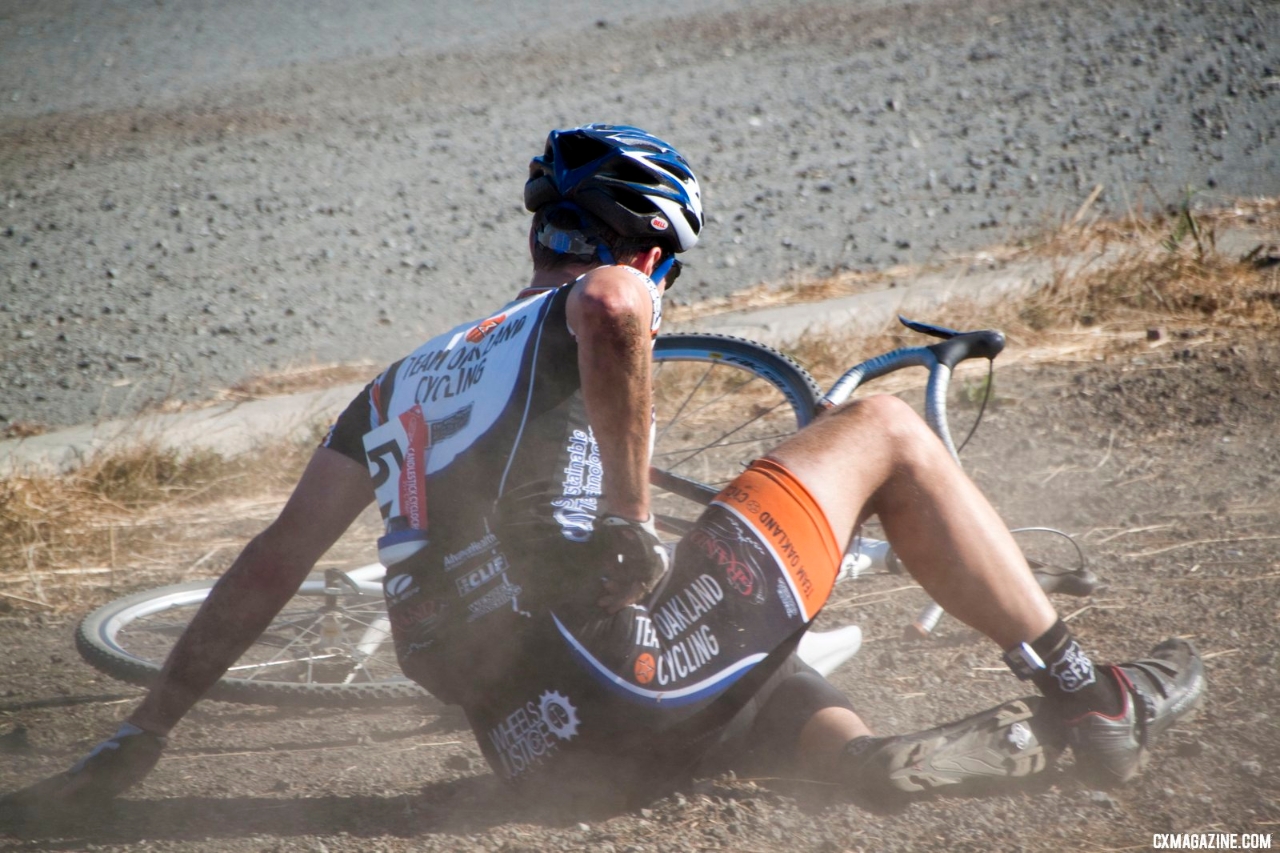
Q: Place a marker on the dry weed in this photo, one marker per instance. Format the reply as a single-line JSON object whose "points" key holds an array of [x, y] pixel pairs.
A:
{"points": [[126, 515], [300, 379], [23, 429], [1164, 277]]}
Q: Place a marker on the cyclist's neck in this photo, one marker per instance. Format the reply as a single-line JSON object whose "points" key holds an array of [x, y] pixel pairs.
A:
{"points": [[551, 279]]}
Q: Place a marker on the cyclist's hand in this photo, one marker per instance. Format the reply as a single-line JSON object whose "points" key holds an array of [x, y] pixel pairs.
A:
{"points": [[111, 767], [633, 560]]}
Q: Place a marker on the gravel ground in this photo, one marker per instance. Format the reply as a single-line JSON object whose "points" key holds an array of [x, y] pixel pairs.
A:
{"points": [[193, 193]]}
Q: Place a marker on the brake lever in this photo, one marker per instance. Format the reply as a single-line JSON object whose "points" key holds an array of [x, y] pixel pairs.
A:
{"points": [[1080, 582]]}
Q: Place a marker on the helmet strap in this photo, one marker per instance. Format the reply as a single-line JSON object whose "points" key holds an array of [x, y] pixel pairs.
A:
{"points": [[664, 267], [580, 241]]}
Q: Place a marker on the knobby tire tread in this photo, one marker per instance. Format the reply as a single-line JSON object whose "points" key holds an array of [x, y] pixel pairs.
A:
{"points": [[772, 365], [97, 650]]}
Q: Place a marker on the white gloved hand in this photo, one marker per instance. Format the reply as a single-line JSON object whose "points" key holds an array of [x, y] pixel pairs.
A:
{"points": [[632, 558]]}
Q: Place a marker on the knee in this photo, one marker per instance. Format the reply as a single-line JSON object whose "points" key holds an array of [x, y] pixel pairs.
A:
{"points": [[889, 422]]}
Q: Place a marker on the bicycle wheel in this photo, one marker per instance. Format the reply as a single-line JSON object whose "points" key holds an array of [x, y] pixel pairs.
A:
{"points": [[329, 646], [720, 403]]}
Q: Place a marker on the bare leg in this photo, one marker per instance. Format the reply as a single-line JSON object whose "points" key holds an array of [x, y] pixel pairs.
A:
{"points": [[875, 456], [823, 738]]}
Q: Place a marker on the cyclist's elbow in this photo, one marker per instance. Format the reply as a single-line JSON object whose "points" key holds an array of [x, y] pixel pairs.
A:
{"points": [[607, 299]]}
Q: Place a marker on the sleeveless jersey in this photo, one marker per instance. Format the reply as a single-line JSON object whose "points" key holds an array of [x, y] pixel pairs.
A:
{"points": [[488, 478]]}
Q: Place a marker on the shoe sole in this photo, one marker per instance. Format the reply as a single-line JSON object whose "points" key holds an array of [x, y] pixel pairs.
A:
{"points": [[977, 751]]}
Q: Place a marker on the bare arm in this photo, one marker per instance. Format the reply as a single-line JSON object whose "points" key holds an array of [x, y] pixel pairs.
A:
{"points": [[332, 492], [610, 311]]}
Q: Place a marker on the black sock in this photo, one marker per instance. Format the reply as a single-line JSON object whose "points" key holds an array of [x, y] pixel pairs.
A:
{"points": [[1069, 678], [852, 765], [854, 749]]}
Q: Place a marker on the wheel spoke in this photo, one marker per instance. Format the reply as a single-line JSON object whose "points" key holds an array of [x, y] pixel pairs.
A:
{"points": [[308, 630], [679, 450], [680, 409], [711, 402], [716, 441]]}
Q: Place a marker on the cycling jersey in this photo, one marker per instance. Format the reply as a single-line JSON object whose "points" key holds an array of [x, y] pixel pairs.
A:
{"points": [[488, 478], [480, 454]]}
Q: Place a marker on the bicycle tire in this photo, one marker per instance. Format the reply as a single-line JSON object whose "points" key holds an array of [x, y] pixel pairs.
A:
{"points": [[100, 641], [778, 395], [720, 402]]}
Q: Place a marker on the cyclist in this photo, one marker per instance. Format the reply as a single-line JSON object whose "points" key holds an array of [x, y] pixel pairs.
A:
{"points": [[526, 584]]}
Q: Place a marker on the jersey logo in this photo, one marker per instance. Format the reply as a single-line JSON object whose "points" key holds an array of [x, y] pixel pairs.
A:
{"points": [[644, 668], [484, 327]]}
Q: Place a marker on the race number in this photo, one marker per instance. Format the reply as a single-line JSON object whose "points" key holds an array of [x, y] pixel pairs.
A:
{"points": [[397, 453]]}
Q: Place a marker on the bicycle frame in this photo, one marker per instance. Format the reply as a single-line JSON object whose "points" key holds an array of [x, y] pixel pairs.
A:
{"points": [[865, 553], [339, 628], [939, 359]]}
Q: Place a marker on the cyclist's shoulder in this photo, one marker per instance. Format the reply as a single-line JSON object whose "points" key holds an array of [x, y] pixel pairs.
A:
{"points": [[530, 305]]}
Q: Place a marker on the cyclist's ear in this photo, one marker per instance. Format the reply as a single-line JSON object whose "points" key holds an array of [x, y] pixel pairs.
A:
{"points": [[648, 260]]}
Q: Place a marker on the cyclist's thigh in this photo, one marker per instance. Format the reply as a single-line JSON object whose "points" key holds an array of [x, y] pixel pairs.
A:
{"points": [[768, 538], [843, 457]]}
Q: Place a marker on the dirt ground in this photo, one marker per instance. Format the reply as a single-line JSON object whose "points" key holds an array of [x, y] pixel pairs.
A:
{"points": [[1162, 459], [196, 193]]}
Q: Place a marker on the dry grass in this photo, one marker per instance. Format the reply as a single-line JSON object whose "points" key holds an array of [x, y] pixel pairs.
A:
{"points": [[23, 429], [129, 517], [300, 379], [1163, 279], [149, 516]]}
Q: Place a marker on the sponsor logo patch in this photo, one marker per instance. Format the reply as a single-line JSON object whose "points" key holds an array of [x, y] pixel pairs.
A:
{"points": [[484, 327], [787, 599], [559, 715], [473, 580], [575, 510], [534, 730], [1074, 671], [457, 558], [645, 668], [415, 614], [399, 588], [497, 597], [735, 553], [450, 425], [398, 584]]}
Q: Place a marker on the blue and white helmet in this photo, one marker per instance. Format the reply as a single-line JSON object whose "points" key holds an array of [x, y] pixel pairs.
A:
{"points": [[639, 185]]}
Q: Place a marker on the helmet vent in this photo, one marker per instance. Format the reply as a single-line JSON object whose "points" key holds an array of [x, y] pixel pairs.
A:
{"points": [[578, 150], [631, 172]]}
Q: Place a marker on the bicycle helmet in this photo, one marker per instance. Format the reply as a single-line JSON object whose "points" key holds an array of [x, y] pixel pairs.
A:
{"points": [[637, 184]]}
